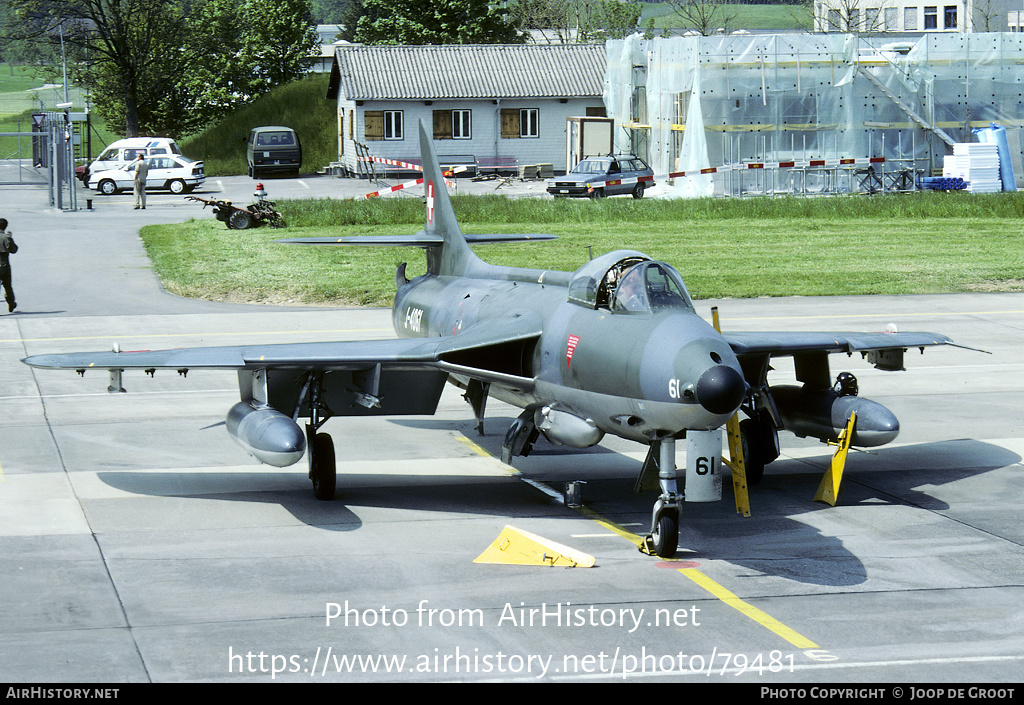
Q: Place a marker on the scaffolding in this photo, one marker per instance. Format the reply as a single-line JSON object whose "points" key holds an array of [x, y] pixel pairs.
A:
{"points": [[692, 104]]}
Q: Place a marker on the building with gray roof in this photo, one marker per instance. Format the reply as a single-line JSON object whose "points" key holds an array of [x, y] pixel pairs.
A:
{"points": [[487, 104]]}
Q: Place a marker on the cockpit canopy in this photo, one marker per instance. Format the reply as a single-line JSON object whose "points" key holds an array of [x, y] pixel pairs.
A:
{"points": [[628, 282]]}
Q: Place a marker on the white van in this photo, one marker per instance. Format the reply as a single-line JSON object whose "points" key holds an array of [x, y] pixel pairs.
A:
{"points": [[123, 152]]}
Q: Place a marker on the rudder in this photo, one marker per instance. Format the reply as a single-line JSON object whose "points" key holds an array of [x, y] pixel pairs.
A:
{"points": [[454, 257]]}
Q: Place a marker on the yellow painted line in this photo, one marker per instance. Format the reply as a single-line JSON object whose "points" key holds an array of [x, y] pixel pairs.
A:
{"points": [[763, 618], [475, 447], [611, 526]]}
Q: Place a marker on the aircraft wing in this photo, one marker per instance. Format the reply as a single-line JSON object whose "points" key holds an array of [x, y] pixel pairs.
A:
{"points": [[347, 355], [492, 352], [794, 343], [884, 350]]}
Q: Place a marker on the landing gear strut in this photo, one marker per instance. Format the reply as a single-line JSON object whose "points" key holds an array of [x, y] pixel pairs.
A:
{"points": [[323, 470], [664, 536]]}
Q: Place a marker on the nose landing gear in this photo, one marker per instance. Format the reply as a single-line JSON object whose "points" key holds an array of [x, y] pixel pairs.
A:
{"points": [[663, 539]]}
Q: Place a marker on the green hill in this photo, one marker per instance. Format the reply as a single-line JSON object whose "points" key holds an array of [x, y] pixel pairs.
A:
{"points": [[300, 105]]}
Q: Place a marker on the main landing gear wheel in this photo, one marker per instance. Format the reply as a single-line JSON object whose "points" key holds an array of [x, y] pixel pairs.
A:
{"points": [[323, 470], [760, 447]]}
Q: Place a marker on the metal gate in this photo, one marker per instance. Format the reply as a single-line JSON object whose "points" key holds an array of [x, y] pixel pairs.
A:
{"points": [[44, 155]]}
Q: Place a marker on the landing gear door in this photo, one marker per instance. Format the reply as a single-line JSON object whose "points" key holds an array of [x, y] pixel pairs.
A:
{"points": [[369, 392]]}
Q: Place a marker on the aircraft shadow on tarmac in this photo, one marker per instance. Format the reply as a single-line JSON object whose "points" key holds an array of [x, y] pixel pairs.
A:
{"points": [[772, 542]]}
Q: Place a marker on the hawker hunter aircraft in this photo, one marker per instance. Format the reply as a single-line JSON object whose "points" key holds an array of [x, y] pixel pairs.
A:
{"points": [[615, 347]]}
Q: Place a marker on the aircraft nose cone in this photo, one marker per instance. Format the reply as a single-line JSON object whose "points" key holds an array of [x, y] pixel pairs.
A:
{"points": [[720, 389]]}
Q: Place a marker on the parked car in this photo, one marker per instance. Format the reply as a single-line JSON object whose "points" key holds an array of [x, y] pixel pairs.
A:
{"points": [[175, 172], [273, 149], [592, 175], [123, 152]]}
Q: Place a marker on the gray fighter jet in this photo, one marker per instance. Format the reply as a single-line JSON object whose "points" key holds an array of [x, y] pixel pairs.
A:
{"points": [[615, 347]]}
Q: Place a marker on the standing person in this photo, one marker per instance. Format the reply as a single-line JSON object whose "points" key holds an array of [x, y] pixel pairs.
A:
{"points": [[7, 248], [141, 168]]}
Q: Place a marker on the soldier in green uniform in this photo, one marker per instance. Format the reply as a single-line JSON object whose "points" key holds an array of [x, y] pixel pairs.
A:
{"points": [[7, 248]]}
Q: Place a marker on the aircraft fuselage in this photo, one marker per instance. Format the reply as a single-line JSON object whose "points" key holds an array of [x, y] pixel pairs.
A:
{"points": [[641, 376]]}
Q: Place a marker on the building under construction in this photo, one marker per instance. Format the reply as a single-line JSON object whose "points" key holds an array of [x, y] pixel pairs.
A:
{"points": [[879, 116]]}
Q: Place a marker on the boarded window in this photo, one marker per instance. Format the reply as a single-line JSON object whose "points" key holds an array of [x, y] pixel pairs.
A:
{"points": [[510, 123], [373, 124], [442, 124]]}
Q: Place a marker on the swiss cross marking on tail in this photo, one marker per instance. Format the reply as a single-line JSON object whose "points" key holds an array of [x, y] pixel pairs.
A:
{"points": [[570, 348], [430, 203]]}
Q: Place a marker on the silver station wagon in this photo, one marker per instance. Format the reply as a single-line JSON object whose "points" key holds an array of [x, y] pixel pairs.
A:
{"points": [[596, 177]]}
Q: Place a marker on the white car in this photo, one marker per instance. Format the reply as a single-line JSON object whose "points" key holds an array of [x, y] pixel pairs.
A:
{"points": [[173, 171]]}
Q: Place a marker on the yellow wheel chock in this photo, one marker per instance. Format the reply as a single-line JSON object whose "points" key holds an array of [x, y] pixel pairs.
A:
{"points": [[828, 490], [517, 547]]}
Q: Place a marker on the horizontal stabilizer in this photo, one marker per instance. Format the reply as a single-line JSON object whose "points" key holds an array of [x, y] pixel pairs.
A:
{"points": [[420, 239]]}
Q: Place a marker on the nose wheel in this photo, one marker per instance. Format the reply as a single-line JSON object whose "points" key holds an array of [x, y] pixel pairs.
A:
{"points": [[663, 540], [664, 537]]}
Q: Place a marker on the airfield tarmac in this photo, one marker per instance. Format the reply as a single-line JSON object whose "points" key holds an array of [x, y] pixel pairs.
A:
{"points": [[139, 543]]}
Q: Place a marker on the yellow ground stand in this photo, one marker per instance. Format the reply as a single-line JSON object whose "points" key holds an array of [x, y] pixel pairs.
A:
{"points": [[828, 490], [735, 460], [736, 465], [517, 547]]}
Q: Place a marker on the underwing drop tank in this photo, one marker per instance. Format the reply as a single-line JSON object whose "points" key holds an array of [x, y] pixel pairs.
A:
{"points": [[563, 428], [266, 434], [823, 413]]}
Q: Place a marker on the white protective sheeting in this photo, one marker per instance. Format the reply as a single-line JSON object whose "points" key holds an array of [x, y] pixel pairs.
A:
{"points": [[685, 103]]}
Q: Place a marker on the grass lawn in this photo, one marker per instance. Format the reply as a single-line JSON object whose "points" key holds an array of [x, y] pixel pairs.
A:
{"points": [[900, 244], [750, 17]]}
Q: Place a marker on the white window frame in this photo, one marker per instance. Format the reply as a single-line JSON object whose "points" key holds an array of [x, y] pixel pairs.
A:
{"points": [[529, 122], [394, 125], [949, 12], [462, 124], [891, 19], [910, 19]]}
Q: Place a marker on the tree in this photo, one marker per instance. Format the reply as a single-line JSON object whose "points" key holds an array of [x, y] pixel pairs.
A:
{"points": [[167, 67], [126, 50], [617, 18], [578, 20], [279, 41], [705, 17], [433, 22]]}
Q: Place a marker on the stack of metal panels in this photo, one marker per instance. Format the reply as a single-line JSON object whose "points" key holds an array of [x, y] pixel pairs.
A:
{"points": [[976, 163]]}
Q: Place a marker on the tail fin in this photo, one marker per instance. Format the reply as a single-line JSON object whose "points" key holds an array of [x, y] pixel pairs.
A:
{"points": [[448, 251], [453, 257]]}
